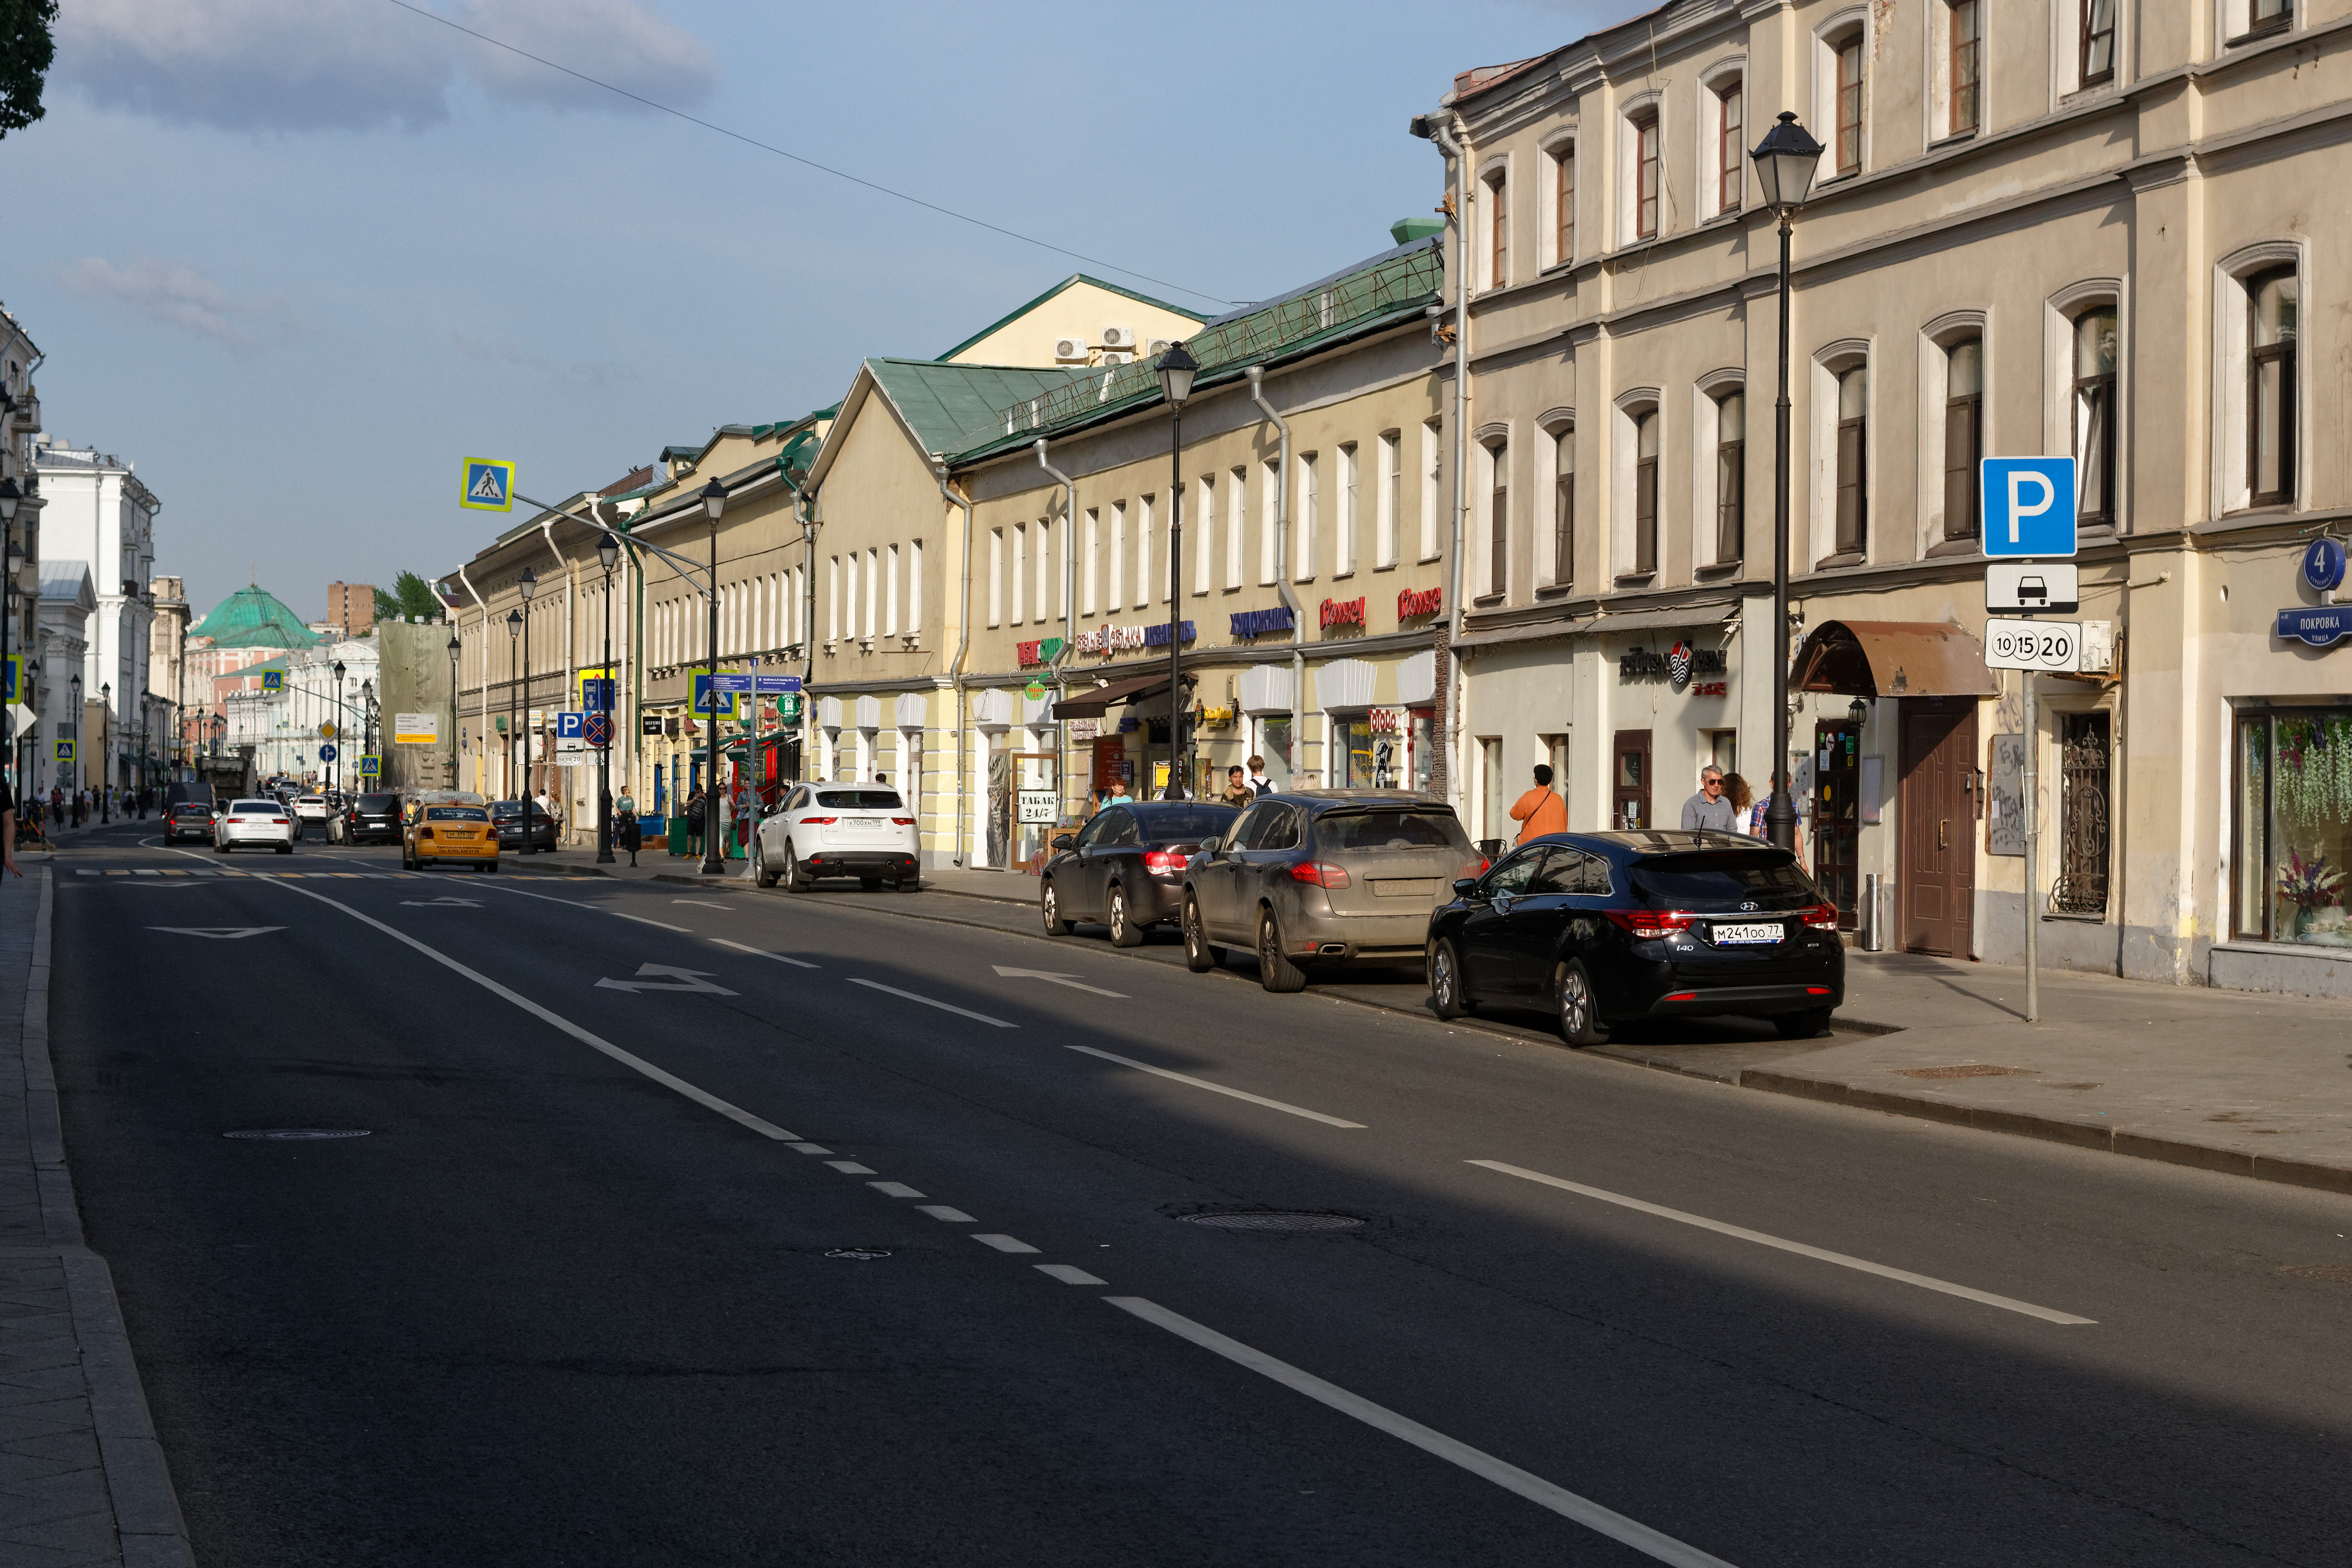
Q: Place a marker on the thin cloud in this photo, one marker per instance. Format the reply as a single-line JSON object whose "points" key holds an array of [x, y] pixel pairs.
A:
{"points": [[513, 356], [178, 295], [357, 65]]}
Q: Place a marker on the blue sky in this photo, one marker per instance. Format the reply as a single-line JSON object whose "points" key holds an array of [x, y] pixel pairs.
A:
{"points": [[296, 258]]}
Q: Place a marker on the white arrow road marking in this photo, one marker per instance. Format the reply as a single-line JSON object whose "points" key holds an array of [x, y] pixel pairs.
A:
{"points": [[1072, 981], [218, 933], [680, 980], [440, 903]]}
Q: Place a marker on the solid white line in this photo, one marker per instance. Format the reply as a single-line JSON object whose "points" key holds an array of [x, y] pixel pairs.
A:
{"points": [[1925, 1281], [943, 1211], [702, 903], [1002, 1243], [703, 1097], [851, 1168], [1510, 1477], [1068, 1274], [542, 898], [1218, 1088], [894, 1189], [942, 1006], [763, 952], [643, 921]]}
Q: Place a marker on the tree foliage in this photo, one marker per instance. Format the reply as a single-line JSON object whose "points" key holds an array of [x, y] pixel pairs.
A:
{"points": [[410, 595], [25, 51]]}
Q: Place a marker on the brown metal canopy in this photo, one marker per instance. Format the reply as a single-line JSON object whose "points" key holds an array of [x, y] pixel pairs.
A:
{"points": [[1102, 699], [1893, 658]]}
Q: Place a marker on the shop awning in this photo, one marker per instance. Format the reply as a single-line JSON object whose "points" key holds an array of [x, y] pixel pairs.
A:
{"points": [[1102, 699], [1700, 614], [1893, 658]]}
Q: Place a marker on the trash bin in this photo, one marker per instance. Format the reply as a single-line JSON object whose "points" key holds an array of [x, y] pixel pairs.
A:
{"points": [[677, 834]]}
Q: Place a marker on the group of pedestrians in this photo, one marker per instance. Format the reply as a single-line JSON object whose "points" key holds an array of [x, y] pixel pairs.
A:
{"points": [[1239, 791], [1724, 804]]}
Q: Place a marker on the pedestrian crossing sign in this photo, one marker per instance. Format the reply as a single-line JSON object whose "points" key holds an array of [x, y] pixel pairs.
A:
{"points": [[273, 680], [370, 767], [14, 675], [65, 751], [490, 484]]}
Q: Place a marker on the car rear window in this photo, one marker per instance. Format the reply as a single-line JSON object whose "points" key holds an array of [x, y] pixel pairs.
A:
{"points": [[1769, 878], [1186, 823], [259, 807], [862, 800], [378, 802], [455, 813], [1390, 830]]}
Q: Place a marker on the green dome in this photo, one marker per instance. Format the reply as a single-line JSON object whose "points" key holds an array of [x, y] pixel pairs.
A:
{"points": [[253, 618]]}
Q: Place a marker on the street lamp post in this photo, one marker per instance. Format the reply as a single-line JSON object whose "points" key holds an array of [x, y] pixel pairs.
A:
{"points": [[1785, 162], [608, 550], [75, 686], [9, 558], [335, 768], [106, 739], [714, 501], [1177, 368], [527, 585], [514, 630], [455, 648]]}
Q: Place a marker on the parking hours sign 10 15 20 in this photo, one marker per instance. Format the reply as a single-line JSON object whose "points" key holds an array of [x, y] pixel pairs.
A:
{"points": [[2033, 644]]}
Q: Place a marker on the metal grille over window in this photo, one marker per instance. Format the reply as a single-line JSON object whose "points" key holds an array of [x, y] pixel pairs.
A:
{"points": [[2082, 830]]}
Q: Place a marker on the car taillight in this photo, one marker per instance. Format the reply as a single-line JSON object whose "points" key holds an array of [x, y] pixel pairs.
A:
{"points": [[1164, 862], [1473, 869], [236, 822], [819, 821], [1647, 925], [1820, 917], [279, 822], [1322, 873], [904, 821], [424, 832]]}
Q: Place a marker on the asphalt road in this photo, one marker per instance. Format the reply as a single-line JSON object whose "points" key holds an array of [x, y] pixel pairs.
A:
{"points": [[737, 1267]]}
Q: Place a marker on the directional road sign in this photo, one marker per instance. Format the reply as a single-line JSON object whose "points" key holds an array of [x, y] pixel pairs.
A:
{"points": [[2031, 588], [775, 685], [598, 731], [326, 753], [490, 484], [2033, 644], [732, 680], [2029, 506]]}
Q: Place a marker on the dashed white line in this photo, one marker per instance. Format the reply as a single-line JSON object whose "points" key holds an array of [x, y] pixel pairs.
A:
{"points": [[925, 1001], [543, 897], [851, 1168], [1652, 1543], [702, 903], [763, 952], [1002, 1243], [1219, 1087], [641, 920], [810, 1147], [944, 1211], [1925, 1281], [1068, 1274], [894, 1189]]}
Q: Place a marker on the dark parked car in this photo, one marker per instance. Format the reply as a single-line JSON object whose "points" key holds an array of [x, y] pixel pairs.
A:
{"points": [[188, 819], [1126, 867], [507, 814], [373, 819], [1609, 926]]}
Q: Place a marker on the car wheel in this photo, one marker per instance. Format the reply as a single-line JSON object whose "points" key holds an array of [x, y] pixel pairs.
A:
{"points": [[1579, 1009], [1447, 994], [871, 884], [912, 882], [1275, 969], [1124, 931], [760, 878], [285, 848], [491, 866], [1201, 955], [1804, 1026], [220, 848], [795, 879], [1049, 904]]}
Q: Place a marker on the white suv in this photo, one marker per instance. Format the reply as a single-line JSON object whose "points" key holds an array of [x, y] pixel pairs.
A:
{"points": [[859, 830]]}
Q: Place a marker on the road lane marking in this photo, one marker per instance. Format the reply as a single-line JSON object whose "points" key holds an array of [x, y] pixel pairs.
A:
{"points": [[1002, 1243], [925, 1001], [1926, 1282], [1651, 1543], [1218, 1088], [146, 871], [1051, 977], [944, 1211], [894, 1189], [702, 903], [851, 1168], [218, 933], [543, 897], [1067, 1273], [694, 980], [763, 952], [812, 1148], [642, 921], [701, 1097]]}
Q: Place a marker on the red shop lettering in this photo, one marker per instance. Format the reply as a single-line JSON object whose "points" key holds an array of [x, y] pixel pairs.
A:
{"points": [[1343, 612], [1415, 602]]}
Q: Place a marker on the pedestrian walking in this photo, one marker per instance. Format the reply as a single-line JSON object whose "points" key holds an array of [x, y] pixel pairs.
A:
{"points": [[1258, 783], [1747, 813], [1540, 810], [696, 809], [8, 825], [626, 827], [1709, 810], [1237, 790]]}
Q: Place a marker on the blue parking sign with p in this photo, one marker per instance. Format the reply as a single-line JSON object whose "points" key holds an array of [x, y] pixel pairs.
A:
{"points": [[2029, 506]]}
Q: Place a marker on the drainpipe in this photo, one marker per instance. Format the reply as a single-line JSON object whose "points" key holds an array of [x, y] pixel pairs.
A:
{"points": [[482, 718], [1438, 131], [1069, 597], [1256, 374], [570, 606], [963, 642]]}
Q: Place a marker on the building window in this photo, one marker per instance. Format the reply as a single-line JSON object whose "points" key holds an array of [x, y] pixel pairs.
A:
{"points": [[1498, 234], [2291, 811], [1852, 458], [1269, 506], [1343, 543], [1967, 20], [1204, 524], [1963, 437], [1645, 491], [1303, 527], [2270, 394], [1730, 128], [1645, 176], [1432, 474], [1117, 558], [1392, 501], [1236, 526], [1144, 581], [1849, 103], [2083, 831], [1086, 601], [2094, 413], [2098, 59], [1563, 196], [1016, 573], [1563, 507], [1730, 476], [2263, 17], [1498, 517]]}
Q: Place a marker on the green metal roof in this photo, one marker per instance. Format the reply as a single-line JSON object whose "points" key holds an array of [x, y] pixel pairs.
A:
{"points": [[1075, 278], [950, 406], [253, 618]]}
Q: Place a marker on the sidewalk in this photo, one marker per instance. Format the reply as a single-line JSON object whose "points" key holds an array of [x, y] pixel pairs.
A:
{"points": [[82, 1479]]}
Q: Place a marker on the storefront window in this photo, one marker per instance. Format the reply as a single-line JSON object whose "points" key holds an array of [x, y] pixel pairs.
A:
{"points": [[1353, 734], [1423, 755], [1274, 746], [2294, 834]]}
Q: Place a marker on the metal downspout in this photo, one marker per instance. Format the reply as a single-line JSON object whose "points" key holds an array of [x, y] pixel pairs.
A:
{"points": [[1256, 374], [964, 643], [1069, 603], [570, 606], [1458, 152], [482, 718]]}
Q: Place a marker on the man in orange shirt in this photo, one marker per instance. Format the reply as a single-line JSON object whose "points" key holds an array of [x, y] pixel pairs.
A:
{"points": [[1540, 811]]}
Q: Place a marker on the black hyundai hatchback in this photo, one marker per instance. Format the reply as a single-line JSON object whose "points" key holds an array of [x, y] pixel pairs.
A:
{"points": [[1610, 927]]}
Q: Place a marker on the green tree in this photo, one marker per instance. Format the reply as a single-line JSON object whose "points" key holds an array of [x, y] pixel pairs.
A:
{"points": [[410, 595], [25, 51]]}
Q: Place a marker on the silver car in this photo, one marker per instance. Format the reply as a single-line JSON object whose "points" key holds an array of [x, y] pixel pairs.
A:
{"points": [[1324, 877]]}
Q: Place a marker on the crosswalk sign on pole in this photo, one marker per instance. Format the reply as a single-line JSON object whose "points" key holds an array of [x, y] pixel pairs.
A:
{"points": [[490, 484], [371, 767]]}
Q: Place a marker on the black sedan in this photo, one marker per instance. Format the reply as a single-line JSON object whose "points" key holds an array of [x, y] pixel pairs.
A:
{"points": [[188, 819], [508, 816], [1126, 867], [1611, 926], [373, 819]]}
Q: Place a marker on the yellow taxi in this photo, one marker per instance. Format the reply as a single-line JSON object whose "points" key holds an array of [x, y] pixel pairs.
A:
{"points": [[448, 824]]}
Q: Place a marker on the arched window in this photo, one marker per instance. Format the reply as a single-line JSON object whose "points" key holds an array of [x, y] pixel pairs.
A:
{"points": [[2271, 301], [1645, 491], [1963, 437], [2094, 412], [1730, 475], [1852, 458]]}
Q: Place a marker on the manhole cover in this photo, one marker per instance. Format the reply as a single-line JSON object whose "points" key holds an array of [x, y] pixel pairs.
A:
{"points": [[860, 1253], [298, 1135], [2339, 1273], [1263, 1221], [1966, 1070]]}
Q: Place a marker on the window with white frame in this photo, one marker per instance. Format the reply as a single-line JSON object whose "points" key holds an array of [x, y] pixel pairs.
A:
{"points": [[1205, 519], [1493, 190], [873, 585], [1562, 158], [2094, 42], [1495, 509], [995, 577], [1144, 583], [2096, 346], [1343, 531], [915, 586], [1086, 601], [1236, 526], [1728, 468], [1645, 490], [2272, 302], [1562, 554], [1305, 519], [1432, 474], [1391, 500], [1963, 420], [1722, 137], [1644, 172], [1016, 571], [2244, 21], [1047, 578], [1850, 465], [1269, 555], [891, 583], [1117, 597]]}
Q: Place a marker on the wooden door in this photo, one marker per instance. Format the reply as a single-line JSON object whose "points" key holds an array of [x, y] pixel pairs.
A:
{"points": [[1629, 775], [1936, 872], [1837, 814]]}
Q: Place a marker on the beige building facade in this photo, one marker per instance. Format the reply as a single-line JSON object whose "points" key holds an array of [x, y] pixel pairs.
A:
{"points": [[2040, 227]]}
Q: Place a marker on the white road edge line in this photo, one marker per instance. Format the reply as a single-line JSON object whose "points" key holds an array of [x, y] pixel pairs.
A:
{"points": [[942, 1006], [1218, 1088], [643, 921], [763, 952], [1510, 1477], [1925, 1281], [703, 1097]]}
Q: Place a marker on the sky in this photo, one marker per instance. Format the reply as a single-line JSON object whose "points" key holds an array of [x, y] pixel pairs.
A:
{"points": [[297, 259]]}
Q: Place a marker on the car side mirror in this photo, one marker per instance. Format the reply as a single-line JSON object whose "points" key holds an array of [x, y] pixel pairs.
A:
{"points": [[1066, 841], [1466, 886], [1210, 847]]}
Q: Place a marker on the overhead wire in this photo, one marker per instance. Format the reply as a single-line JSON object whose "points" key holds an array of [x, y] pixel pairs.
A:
{"points": [[808, 163]]}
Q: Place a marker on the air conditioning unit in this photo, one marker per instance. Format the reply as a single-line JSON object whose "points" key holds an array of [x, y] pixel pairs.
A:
{"points": [[1156, 347], [1120, 338], [1069, 350], [1114, 357]]}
